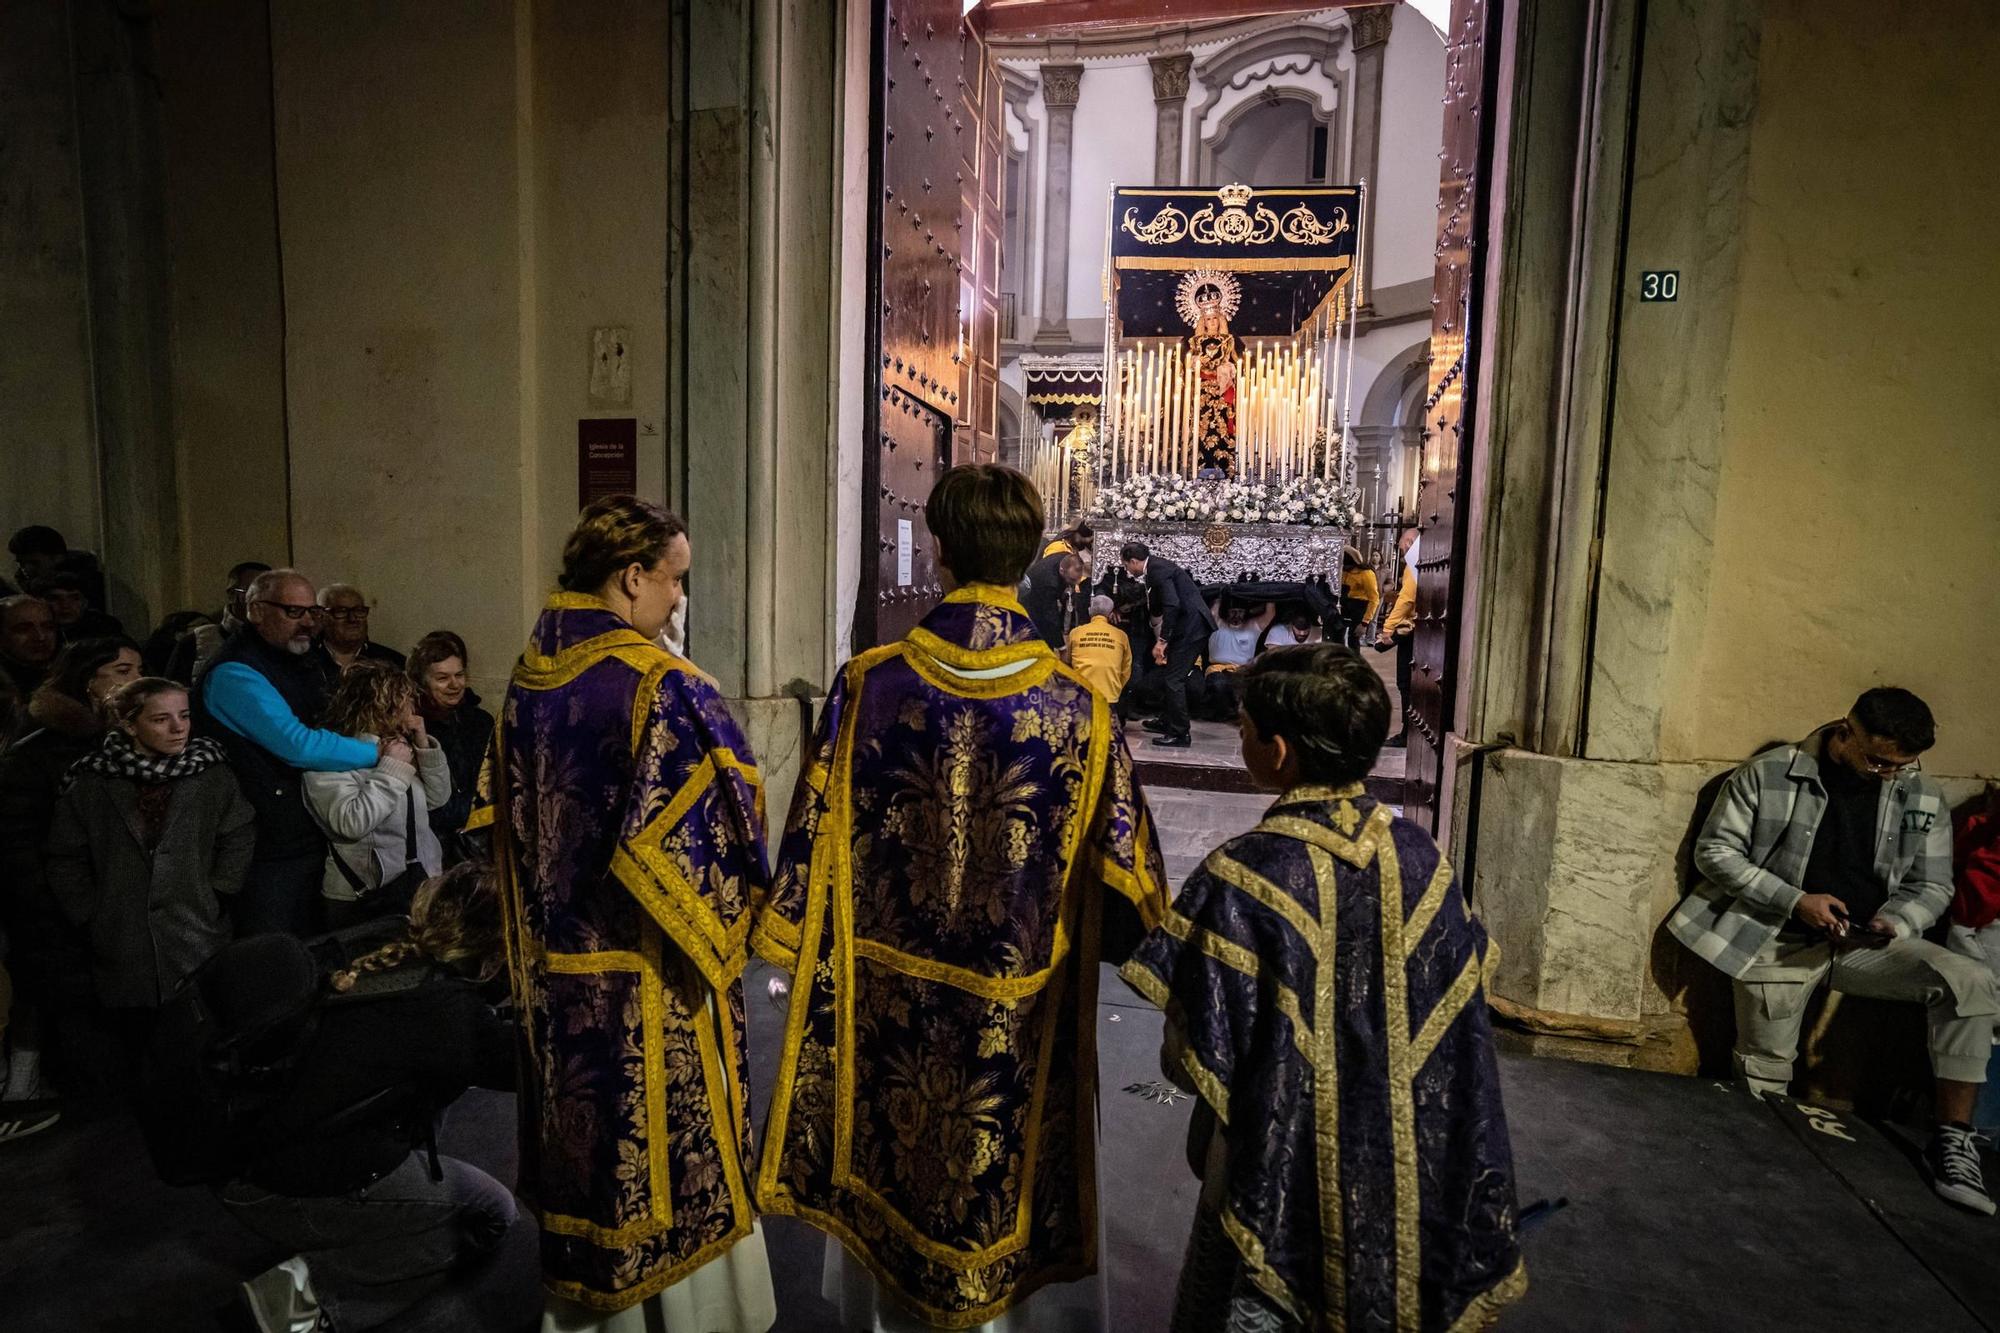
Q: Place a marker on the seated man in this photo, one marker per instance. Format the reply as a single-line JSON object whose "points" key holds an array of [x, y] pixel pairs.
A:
{"points": [[1300, 627], [1824, 862], [1231, 647]]}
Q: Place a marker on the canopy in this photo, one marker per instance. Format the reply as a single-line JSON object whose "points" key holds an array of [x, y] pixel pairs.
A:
{"points": [[1056, 387], [1289, 248]]}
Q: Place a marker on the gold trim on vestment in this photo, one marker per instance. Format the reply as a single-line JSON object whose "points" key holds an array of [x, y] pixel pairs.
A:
{"points": [[1402, 1072], [1483, 1309], [1234, 956], [1449, 1006], [1427, 906], [626, 1297], [1349, 850], [1262, 891], [1326, 1089], [1259, 1268], [653, 1012]]}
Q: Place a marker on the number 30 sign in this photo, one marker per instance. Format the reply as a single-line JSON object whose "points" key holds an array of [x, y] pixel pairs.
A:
{"points": [[1660, 284]]}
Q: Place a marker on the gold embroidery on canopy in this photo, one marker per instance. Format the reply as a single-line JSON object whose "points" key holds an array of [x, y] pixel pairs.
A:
{"points": [[1402, 1073], [1444, 1013], [1427, 906]]}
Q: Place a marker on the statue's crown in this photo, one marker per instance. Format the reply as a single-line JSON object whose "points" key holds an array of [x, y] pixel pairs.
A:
{"points": [[1235, 196]]}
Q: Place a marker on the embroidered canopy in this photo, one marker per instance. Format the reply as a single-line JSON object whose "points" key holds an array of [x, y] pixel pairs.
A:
{"points": [[1289, 248]]}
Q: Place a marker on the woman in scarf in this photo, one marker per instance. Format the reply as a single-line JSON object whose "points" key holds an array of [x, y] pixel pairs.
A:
{"points": [[149, 836]]}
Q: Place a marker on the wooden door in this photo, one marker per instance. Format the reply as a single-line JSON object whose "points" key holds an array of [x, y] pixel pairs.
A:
{"points": [[1447, 407], [917, 387], [982, 184]]}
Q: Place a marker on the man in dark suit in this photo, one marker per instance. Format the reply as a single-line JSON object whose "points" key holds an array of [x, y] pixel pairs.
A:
{"points": [[1057, 596], [1185, 624]]}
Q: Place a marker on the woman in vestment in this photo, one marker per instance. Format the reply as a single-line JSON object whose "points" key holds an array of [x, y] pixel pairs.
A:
{"points": [[967, 842], [627, 820]]}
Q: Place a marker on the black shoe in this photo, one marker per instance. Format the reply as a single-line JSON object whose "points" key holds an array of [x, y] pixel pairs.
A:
{"points": [[1951, 1160], [1180, 742], [1399, 741], [20, 1119], [1154, 725]]}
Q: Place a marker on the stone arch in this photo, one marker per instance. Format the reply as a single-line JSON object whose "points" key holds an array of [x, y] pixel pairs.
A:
{"points": [[1297, 60], [1259, 108], [1386, 400]]}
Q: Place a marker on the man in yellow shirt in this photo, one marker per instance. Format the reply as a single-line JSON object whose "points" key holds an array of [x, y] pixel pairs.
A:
{"points": [[1399, 630], [1072, 541], [1100, 651]]}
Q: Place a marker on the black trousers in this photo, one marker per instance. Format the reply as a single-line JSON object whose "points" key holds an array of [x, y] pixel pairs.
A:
{"points": [[1180, 669]]}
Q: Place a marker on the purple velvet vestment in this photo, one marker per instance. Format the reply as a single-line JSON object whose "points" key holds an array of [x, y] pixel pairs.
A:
{"points": [[966, 843], [1323, 980], [628, 828]]}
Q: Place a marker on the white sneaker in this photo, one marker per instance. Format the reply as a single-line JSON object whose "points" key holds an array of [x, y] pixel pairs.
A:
{"points": [[1952, 1162], [281, 1299]]}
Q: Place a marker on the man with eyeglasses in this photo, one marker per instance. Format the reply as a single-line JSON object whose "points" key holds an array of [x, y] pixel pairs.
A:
{"points": [[262, 699], [1824, 862], [344, 610]]}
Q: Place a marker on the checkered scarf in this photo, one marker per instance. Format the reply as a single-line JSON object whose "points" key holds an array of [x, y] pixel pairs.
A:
{"points": [[118, 757]]}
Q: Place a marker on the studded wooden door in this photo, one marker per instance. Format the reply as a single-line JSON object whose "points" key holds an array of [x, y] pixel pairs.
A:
{"points": [[918, 171], [1447, 407], [981, 185]]}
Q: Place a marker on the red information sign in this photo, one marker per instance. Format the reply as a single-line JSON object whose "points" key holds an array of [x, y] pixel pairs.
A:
{"points": [[607, 457]]}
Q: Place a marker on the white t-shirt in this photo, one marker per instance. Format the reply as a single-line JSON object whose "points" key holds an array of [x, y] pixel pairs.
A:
{"points": [[1232, 646], [1281, 636]]}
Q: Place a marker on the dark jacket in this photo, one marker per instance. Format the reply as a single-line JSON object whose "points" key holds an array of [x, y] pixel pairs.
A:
{"points": [[382, 1061], [1055, 607], [1185, 617], [285, 828], [151, 917], [46, 952], [463, 734]]}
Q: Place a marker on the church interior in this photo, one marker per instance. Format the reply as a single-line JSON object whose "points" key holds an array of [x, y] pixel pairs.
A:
{"points": [[1579, 363]]}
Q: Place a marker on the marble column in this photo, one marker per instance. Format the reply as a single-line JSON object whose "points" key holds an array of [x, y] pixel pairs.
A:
{"points": [[1170, 86], [1060, 87], [1370, 42]]}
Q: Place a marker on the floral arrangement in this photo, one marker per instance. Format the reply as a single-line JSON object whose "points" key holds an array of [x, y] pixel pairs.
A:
{"points": [[1306, 501]]}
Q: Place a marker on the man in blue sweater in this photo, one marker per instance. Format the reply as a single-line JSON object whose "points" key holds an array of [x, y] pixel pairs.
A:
{"points": [[262, 699]]}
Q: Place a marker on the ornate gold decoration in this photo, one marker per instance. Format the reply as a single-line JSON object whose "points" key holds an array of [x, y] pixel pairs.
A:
{"points": [[1229, 294], [1071, 398], [1168, 225], [1234, 226], [1216, 537], [1301, 227]]}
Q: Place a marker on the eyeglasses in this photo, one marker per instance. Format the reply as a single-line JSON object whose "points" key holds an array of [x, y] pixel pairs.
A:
{"points": [[1885, 768], [292, 612], [346, 614]]}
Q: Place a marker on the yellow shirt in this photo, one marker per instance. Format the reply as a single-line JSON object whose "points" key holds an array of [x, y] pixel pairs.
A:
{"points": [[1102, 655], [1402, 617], [1361, 584], [1058, 547]]}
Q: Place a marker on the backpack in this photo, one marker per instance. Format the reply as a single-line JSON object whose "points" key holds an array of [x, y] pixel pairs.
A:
{"points": [[227, 1047]]}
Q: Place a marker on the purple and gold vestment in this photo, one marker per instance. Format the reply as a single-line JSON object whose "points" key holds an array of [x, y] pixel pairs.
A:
{"points": [[628, 829], [966, 843], [1323, 980]]}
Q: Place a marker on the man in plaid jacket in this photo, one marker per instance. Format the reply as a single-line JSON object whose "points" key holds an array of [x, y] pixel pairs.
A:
{"points": [[1824, 862]]}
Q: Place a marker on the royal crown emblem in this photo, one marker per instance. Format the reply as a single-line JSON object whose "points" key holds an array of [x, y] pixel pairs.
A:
{"points": [[1234, 196]]}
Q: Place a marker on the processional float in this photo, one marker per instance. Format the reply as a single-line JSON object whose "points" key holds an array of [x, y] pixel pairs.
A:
{"points": [[1228, 366]]}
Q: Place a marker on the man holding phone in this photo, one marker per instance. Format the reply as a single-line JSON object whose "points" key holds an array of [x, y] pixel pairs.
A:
{"points": [[1824, 862]]}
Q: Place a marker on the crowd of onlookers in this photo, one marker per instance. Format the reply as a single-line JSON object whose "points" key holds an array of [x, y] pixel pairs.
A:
{"points": [[264, 767], [1147, 635]]}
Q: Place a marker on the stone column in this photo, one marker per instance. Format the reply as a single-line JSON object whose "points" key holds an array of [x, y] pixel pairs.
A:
{"points": [[1170, 85], [1371, 41], [1060, 86]]}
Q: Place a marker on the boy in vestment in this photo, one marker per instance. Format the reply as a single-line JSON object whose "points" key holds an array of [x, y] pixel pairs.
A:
{"points": [[966, 843], [1322, 978]]}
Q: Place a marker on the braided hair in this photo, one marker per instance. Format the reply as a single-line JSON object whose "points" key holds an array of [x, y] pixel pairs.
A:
{"points": [[454, 922]]}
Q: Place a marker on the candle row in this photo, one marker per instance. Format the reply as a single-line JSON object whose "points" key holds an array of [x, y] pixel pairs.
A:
{"points": [[1282, 406]]}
